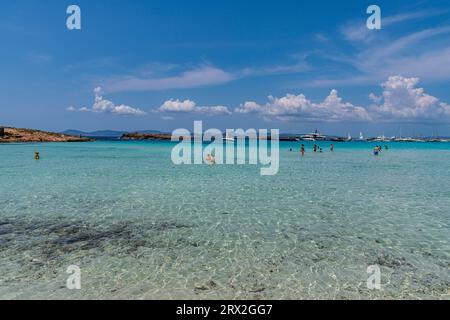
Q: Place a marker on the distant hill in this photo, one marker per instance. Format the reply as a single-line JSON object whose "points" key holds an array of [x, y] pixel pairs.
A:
{"points": [[101, 133]]}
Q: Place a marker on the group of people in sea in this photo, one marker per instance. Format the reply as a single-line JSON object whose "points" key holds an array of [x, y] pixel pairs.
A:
{"points": [[316, 149], [211, 160]]}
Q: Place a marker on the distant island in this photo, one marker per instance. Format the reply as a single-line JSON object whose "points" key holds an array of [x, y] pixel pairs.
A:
{"points": [[16, 135]]}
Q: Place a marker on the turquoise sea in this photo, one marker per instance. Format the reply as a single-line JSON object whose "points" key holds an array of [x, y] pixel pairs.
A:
{"points": [[140, 227]]}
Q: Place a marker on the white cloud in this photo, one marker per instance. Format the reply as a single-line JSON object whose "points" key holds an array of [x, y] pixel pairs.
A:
{"points": [[400, 101], [422, 52], [151, 78], [375, 98], [203, 76], [403, 100], [298, 107], [178, 106], [102, 105], [189, 106], [39, 58], [300, 65], [250, 107], [404, 44], [357, 31], [321, 38]]}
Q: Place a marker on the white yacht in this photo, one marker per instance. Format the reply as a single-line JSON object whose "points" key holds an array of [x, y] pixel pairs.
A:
{"points": [[382, 138], [316, 136], [407, 140]]}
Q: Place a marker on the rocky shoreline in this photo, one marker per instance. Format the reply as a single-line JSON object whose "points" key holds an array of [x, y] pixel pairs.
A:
{"points": [[16, 135]]}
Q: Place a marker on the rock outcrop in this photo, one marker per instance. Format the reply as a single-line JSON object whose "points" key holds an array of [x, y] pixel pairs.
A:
{"points": [[15, 135]]}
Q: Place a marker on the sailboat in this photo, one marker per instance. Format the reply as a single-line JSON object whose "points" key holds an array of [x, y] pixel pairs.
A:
{"points": [[361, 137], [349, 138]]}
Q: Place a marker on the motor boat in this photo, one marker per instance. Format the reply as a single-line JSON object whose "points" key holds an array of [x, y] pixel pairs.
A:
{"points": [[382, 139], [316, 136]]}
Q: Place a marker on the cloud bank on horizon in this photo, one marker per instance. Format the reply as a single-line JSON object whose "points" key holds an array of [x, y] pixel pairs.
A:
{"points": [[401, 100]]}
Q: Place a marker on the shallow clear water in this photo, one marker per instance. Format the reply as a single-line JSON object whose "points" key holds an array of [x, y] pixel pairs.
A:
{"points": [[140, 227]]}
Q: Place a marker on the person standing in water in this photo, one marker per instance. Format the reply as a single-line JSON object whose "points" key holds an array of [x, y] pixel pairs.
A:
{"points": [[332, 148], [377, 150], [210, 159], [315, 147], [302, 150], [37, 156]]}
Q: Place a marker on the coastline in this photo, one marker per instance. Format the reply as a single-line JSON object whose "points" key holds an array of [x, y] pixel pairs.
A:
{"points": [[20, 135], [23, 135]]}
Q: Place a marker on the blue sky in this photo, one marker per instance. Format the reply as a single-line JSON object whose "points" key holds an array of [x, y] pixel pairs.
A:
{"points": [[292, 65]]}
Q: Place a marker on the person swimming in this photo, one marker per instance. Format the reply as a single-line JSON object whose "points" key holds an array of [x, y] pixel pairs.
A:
{"points": [[37, 156]]}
